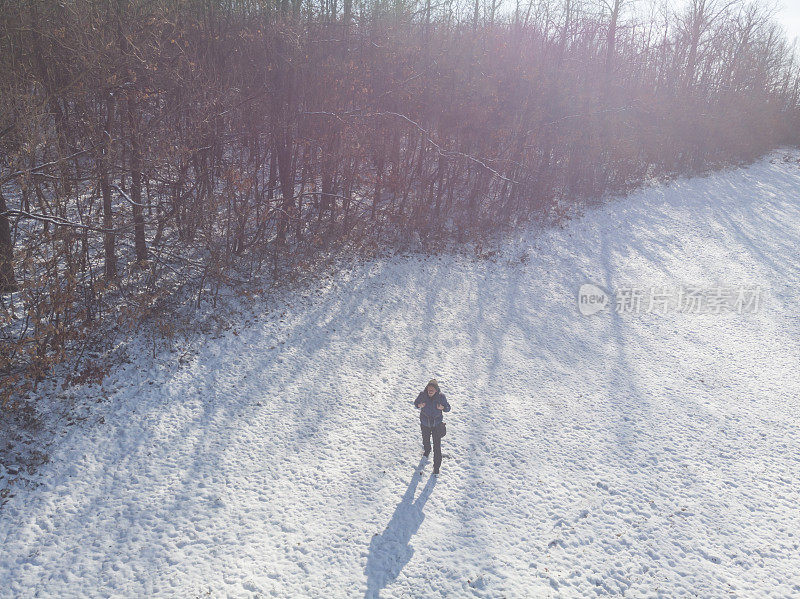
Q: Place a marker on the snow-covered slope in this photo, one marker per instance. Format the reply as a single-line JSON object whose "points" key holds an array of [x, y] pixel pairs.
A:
{"points": [[643, 454]]}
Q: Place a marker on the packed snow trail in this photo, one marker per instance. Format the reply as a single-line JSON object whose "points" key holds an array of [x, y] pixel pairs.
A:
{"points": [[620, 453]]}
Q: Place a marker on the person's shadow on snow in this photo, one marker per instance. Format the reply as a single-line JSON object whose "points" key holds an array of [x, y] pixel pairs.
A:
{"points": [[390, 551]]}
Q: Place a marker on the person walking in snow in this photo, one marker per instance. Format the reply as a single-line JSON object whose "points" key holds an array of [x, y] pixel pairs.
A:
{"points": [[431, 403]]}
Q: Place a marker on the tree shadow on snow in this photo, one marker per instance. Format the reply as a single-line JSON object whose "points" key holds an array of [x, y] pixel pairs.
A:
{"points": [[390, 551]]}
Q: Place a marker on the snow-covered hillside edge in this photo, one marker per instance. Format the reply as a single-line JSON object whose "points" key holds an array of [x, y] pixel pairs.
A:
{"points": [[632, 453]]}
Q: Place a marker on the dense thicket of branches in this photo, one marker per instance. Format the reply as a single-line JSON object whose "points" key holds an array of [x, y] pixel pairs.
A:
{"points": [[150, 148]]}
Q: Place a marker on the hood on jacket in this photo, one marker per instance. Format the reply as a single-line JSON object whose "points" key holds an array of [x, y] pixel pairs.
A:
{"points": [[432, 383]]}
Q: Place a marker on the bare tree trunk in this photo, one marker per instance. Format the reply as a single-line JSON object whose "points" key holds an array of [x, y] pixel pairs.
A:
{"points": [[105, 189], [348, 8], [284, 160], [611, 38], [7, 282], [136, 183]]}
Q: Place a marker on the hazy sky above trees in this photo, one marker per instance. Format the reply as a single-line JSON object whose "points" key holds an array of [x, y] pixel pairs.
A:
{"points": [[789, 16]]}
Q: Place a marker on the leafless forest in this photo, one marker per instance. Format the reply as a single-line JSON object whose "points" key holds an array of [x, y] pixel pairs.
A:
{"points": [[152, 151]]}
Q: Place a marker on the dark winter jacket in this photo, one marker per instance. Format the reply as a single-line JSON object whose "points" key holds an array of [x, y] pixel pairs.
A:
{"points": [[430, 415]]}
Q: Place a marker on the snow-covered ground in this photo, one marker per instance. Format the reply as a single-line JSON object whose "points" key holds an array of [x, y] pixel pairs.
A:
{"points": [[627, 452]]}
